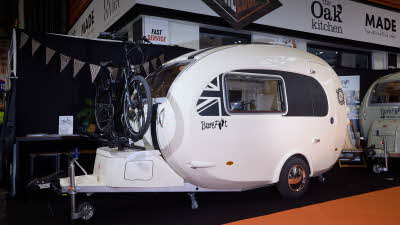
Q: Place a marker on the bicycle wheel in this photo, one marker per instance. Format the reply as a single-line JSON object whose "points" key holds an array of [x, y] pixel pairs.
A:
{"points": [[138, 108], [104, 108]]}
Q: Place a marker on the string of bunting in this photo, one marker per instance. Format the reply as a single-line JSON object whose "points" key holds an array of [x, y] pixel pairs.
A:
{"points": [[77, 64]]}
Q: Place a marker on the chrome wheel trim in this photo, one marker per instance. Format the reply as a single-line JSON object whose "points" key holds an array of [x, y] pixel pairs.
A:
{"points": [[297, 178], [87, 211]]}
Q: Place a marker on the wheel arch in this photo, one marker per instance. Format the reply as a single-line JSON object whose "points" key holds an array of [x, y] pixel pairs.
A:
{"points": [[278, 169]]}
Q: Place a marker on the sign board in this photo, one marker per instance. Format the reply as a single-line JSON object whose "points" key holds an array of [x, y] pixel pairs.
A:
{"points": [[351, 89], [2, 86], [65, 125], [336, 18], [241, 13], [99, 16], [156, 30]]}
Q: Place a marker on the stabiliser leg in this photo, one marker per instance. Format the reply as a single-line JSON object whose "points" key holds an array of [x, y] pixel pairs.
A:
{"points": [[192, 197], [72, 191]]}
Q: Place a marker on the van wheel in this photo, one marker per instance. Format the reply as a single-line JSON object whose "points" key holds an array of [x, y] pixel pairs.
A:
{"points": [[294, 178]]}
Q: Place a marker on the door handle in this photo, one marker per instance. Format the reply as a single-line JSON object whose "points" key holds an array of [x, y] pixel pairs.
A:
{"points": [[161, 117], [316, 140], [198, 164]]}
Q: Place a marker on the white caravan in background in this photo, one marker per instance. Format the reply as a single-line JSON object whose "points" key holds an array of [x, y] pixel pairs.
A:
{"points": [[380, 119]]}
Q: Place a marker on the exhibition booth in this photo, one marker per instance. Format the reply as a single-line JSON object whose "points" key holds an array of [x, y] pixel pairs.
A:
{"points": [[211, 96]]}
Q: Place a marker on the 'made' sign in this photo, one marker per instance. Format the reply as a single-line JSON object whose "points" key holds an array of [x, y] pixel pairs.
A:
{"points": [[379, 22]]}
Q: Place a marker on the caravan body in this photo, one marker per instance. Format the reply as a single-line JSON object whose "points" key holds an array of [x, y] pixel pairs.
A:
{"points": [[232, 116], [380, 114]]}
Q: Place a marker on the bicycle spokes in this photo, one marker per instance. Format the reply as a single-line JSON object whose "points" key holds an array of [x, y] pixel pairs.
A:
{"points": [[137, 110]]}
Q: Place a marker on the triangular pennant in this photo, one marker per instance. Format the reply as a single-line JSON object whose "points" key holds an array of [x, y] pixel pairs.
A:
{"points": [[162, 58], [94, 70], [35, 46], [146, 68], [64, 61], [49, 54], [154, 63], [77, 66], [113, 72], [23, 40]]}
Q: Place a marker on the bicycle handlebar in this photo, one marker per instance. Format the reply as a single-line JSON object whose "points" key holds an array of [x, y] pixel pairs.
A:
{"points": [[115, 36]]}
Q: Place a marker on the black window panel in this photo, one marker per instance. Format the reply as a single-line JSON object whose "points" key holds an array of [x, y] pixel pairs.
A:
{"points": [[392, 61], [305, 95], [215, 38], [388, 92], [254, 94], [161, 80], [330, 56], [137, 28], [337, 57]]}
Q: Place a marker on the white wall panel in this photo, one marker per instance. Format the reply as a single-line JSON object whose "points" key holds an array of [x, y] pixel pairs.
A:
{"points": [[379, 60], [184, 34]]}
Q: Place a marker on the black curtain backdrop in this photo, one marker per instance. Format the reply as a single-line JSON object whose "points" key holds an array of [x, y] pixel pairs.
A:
{"points": [[45, 93], [46, 15], [7, 133]]}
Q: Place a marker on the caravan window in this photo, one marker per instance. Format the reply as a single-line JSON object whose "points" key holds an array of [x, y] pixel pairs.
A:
{"points": [[388, 92], [250, 93], [161, 80]]}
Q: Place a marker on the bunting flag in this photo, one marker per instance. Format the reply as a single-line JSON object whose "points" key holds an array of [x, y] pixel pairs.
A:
{"points": [[162, 59], [146, 68], [94, 70], [113, 72], [112, 69], [64, 61], [154, 63], [23, 40], [49, 55], [35, 46], [77, 66]]}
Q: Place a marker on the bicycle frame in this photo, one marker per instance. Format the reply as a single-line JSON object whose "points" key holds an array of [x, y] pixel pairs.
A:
{"points": [[122, 102]]}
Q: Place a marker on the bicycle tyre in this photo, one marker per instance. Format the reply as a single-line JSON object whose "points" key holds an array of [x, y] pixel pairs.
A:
{"points": [[139, 109], [104, 108]]}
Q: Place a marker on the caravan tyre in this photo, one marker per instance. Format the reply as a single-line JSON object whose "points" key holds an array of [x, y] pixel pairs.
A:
{"points": [[294, 178]]}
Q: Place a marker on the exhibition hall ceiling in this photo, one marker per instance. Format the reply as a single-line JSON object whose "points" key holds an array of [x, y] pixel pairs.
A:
{"points": [[5, 16], [390, 3]]}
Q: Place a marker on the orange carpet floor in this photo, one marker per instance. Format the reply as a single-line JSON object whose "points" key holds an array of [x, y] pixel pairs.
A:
{"points": [[380, 207]]}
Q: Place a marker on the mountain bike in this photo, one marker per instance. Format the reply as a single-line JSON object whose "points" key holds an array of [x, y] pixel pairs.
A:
{"points": [[123, 104]]}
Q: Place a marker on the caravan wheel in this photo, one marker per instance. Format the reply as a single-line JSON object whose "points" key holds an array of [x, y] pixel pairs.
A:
{"points": [[294, 178], [86, 210]]}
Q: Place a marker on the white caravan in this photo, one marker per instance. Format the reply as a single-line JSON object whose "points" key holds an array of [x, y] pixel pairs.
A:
{"points": [[232, 118], [380, 119]]}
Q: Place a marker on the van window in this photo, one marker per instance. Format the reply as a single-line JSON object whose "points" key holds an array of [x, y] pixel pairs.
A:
{"points": [[248, 94], [161, 80], [388, 92]]}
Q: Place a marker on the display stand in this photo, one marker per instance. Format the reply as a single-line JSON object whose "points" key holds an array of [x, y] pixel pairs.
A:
{"points": [[23, 158], [354, 156]]}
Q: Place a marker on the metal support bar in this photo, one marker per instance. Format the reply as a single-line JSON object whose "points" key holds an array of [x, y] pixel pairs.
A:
{"points": [[72, 190], [322, 178], [386, 156], [192, 197]]}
